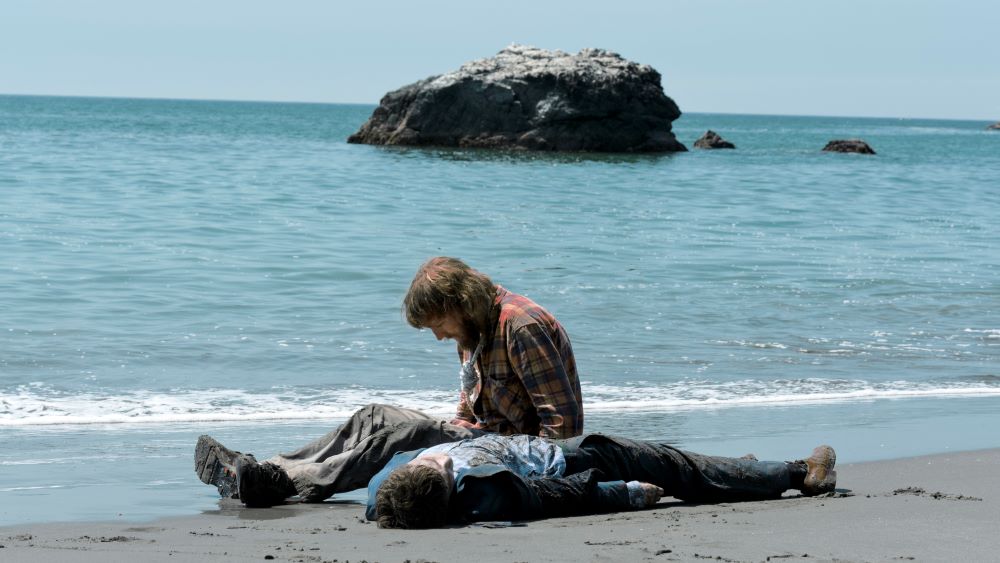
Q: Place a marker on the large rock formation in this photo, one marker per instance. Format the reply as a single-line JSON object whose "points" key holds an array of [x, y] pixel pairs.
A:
{"points": [[528, 98], [849, 145], [712, 140]]}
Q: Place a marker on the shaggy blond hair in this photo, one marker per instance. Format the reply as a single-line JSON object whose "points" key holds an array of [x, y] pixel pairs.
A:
{"points": [[444, 284]]}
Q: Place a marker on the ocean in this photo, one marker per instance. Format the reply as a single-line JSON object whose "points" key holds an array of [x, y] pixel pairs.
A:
{"points": [[172, 268]]}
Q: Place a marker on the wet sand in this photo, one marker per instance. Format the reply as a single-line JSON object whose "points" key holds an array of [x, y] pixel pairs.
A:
{"points": [[934, 508]]}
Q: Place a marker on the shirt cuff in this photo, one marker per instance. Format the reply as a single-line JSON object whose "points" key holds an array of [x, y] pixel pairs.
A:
{"points": [[636, 496]]}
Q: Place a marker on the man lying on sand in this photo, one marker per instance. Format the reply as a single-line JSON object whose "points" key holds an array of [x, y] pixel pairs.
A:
{"points": [[518, 375], [527, 477]]}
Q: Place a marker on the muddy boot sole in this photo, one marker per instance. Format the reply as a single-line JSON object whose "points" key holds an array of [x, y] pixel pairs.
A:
{"points": [[215, 464]]}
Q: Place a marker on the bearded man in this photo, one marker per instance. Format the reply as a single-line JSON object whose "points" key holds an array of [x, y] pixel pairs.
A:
{"points": [[518, 376]]}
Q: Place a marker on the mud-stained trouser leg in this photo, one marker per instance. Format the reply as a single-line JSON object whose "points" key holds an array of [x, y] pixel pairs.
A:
{"points": [[348, 457], [684, 475]]}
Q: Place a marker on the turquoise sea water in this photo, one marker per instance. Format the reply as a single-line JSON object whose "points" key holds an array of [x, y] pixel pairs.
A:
{"points": [[176, 267]]}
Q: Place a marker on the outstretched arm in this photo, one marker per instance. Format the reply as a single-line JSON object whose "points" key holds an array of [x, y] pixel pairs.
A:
{"points": [[502, 495], [583, 493]]}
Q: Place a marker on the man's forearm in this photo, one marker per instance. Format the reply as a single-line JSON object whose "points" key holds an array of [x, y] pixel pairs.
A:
{"points": [[581, 493], [463, 412]]}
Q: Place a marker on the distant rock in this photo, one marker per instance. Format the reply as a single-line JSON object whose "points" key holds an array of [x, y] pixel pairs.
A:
{"points": [[529, 98], [712, 140], [849, 145], [995, 125]]}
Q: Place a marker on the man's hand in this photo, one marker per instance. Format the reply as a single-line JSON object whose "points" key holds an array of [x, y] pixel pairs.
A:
{"points": [[464, 423], [653, 493], [644, 495]]}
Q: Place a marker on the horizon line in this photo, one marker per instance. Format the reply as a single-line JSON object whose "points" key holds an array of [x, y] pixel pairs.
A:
{"points": [[375, 104]]}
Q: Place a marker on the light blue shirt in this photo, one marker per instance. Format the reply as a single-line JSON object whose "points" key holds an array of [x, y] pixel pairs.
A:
{"points": [[525, 456]]}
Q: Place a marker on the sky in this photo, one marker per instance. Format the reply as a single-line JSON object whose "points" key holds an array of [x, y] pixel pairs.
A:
{"points": [[879, 58]]}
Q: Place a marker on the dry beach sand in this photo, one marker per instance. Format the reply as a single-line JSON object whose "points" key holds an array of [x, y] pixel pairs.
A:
{"points": [[935, 508]]}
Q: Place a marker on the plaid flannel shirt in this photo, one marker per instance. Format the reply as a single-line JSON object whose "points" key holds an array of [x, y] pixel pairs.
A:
{"points": [[528, 382]]}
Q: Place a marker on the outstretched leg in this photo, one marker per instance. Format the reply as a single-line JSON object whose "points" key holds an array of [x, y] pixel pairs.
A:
{"points": [[342, 460], [353, 468], [363, 423], [695, 477]]}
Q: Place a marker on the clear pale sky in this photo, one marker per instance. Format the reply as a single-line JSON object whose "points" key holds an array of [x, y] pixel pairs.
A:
{"points": [[899, 58]]}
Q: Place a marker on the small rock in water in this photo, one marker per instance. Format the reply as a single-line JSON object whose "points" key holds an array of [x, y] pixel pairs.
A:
{"points": [[849, 145], [995, 126], [712, 140]]}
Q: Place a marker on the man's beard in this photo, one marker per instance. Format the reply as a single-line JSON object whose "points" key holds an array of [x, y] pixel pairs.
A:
{"points": [[470, 335]]}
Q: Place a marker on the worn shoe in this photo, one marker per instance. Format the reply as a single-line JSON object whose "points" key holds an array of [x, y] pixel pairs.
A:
{"points": [[820, 476], [262, 484], [215, 464]]}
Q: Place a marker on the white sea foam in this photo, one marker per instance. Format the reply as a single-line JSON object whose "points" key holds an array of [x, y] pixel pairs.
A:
{"points": [[30, 462], [655, 403], [39, 405], [12, 489], [990, 334]]}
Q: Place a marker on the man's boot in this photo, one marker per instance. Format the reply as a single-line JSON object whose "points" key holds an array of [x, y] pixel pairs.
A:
{"points": [[820, 476], [215, 464]]}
